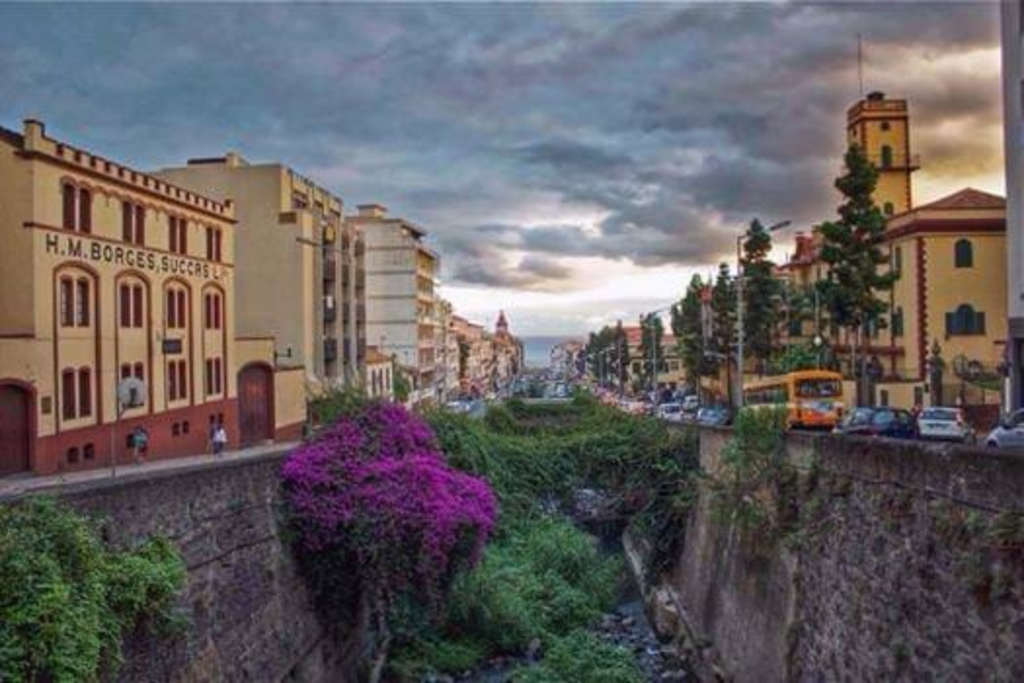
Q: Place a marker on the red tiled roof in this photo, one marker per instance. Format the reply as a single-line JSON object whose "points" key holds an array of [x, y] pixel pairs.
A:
{"points": [[968, 198]]}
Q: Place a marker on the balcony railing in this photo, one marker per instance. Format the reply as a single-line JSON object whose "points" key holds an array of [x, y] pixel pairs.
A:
{"points": [[895, 162]]}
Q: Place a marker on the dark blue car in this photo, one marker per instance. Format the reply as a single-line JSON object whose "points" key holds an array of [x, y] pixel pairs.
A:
{"points": [[889, 422]]}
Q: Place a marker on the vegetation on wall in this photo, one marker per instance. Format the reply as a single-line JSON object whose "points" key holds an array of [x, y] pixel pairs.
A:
{"points": [[378, 512], [66, 600], [749, 489]]}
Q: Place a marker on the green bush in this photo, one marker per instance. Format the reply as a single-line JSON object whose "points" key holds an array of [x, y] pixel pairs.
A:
{"points": [[66, 601], [539, 581], [582, 656]]}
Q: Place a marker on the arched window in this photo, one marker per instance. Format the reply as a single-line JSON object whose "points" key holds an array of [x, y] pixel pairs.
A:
{"points": [[889, 209], [886, 156], [963, 254], [965, 321]]}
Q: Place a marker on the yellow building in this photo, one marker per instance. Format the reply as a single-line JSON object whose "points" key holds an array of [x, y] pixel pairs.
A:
{"points": [[950, 265], [107, 274], [950, 293], [670, 367], [299, 263]]}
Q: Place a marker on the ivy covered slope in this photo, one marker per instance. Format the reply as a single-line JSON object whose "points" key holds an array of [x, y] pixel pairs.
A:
{"points": [[66, 600]]}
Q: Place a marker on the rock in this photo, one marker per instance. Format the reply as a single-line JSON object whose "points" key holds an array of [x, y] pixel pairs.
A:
{"points": [[629, 622]]}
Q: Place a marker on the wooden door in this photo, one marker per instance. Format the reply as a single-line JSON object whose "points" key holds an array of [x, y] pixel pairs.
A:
{"points": [[14, 430], [255, 404]]}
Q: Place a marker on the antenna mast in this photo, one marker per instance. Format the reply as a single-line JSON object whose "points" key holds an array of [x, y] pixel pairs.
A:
{"points": [[860, 63]]}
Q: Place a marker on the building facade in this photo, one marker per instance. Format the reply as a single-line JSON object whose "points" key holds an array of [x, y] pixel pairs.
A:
{"points": [[298, 262], [109, 274], [942, 340], [401, 274], [1013, 154]]}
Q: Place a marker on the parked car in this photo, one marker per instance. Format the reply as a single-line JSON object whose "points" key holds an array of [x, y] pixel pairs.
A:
{"points": [[691, 404], [894, 423], [714, 416], [672, 412], [459, 406], [944, 424], [633, 407], [1009, 433]]}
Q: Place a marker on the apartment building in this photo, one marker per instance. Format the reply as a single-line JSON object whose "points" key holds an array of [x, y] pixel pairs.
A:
{"points": [[298, 262], [670, 367], [1013, 154], [107, 276], [401, 272]]}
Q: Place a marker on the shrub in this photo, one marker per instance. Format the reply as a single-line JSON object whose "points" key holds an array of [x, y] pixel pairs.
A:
{"points": [[66, 601], [374, 502], [582, 656]]}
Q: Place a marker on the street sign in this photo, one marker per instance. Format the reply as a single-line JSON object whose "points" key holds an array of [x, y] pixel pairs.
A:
{"points": [[171, 346]]}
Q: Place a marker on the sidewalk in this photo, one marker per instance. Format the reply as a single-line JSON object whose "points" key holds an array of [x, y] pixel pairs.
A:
{"points": [[25, 483]]}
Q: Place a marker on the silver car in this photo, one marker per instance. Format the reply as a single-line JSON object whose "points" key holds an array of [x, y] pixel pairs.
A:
{"points": [[944, 424], [1009, 433]]}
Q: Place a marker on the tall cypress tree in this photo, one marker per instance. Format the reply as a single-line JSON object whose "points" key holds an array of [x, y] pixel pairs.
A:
{"points": [[723, 322], [688, 329], [761, 295], [852, 249]]}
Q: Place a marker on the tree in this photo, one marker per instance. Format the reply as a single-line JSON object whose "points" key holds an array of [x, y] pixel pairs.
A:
{"points": [[621, 354], [723, 321], [852, 250], [688, 327], [761, 295], [400, 386], [651, 333]]}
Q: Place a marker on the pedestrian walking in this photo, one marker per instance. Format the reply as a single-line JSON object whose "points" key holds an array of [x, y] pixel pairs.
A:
{"points": [[219, 439], [139, 441]]}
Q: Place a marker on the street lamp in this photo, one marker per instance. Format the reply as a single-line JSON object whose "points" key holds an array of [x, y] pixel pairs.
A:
{"points": [[740, 332]]}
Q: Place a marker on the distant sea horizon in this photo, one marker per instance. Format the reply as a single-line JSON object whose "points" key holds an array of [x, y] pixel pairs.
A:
{"points": [[537, 348]]}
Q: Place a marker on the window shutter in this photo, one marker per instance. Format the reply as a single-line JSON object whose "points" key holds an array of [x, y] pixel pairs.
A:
{"points": [[137, 306], [950, 323], [979, 322], [68, 191], [126, 222], [126, 312], [85, 211], [84, 392], [67, 394]]}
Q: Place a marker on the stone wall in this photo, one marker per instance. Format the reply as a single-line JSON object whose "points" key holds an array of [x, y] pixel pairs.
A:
{"points": [[249, 616], [906, 562]]}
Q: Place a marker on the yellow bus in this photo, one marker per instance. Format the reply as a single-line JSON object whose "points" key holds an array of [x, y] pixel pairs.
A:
{"points": [[813, 398]]}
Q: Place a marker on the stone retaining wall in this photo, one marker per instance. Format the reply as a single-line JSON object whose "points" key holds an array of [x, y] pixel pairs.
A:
{"points": [[249, 616], [899, 568]]}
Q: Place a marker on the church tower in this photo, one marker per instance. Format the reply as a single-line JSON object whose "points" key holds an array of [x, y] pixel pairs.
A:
{"points": [[881, 127], [502, 326]]}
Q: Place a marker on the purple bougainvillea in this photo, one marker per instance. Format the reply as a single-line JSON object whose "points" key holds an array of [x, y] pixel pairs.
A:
{"points": [[374, 488]]}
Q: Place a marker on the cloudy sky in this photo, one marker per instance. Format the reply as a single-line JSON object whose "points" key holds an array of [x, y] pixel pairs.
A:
{"points": [[574, 164]]}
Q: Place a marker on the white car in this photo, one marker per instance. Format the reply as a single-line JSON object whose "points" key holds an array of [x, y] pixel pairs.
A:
{"points": [[672, 412], [1009, 433], [944, 424]]}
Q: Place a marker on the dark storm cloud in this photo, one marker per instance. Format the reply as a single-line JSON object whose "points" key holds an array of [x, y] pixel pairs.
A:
{"points": [[489, 125]]}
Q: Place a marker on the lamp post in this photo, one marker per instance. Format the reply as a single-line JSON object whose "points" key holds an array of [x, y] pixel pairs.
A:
{"points": [[740, 332], [653, 317]]}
